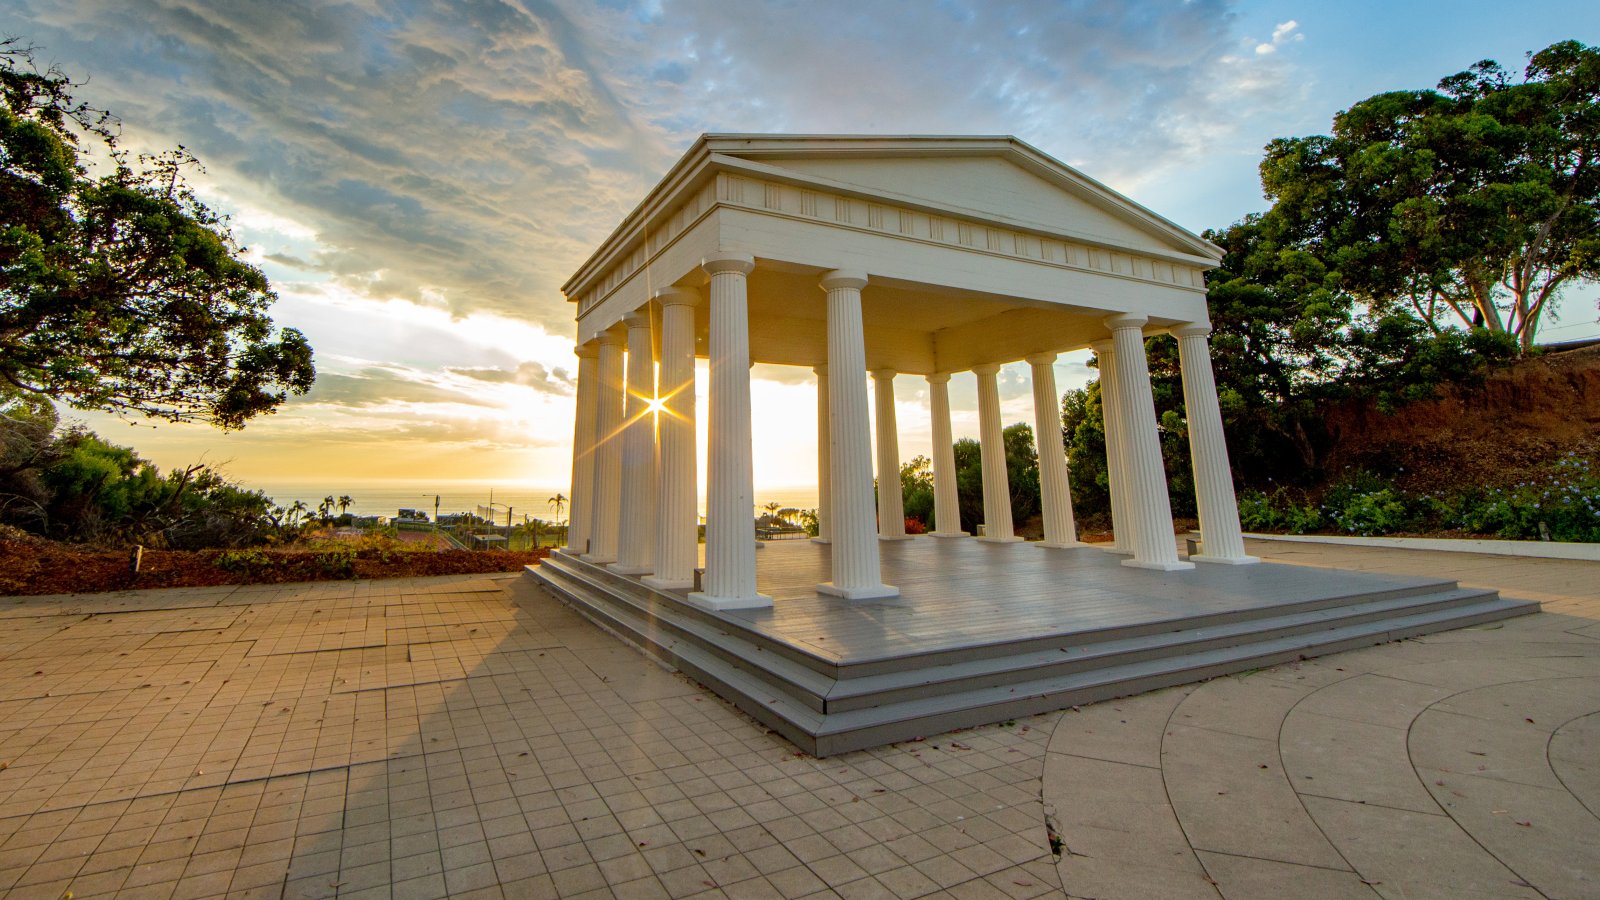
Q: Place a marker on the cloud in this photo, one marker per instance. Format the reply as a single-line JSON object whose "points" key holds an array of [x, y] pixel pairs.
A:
{"points": [[375, 386], [479, 150], [1285, 32], [529, 374]]}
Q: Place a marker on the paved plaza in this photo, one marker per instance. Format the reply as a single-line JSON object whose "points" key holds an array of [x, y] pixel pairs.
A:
{"points": [[470, 736]]}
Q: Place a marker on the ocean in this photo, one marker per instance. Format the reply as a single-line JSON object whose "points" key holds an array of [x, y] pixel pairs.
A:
{"points": [[372, 497]]}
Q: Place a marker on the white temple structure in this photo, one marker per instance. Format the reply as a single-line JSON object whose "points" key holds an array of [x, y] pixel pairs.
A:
{"points": [[870, 257]]}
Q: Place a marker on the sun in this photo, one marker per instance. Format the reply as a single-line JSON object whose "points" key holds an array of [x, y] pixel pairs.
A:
{"points": [[655, 406]]}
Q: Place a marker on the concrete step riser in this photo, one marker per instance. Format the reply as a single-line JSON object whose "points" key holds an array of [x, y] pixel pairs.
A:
{"points": [[1022, 671], [1027, 704], [666, 641], [866, 669], [669, 608], [796, 711]]}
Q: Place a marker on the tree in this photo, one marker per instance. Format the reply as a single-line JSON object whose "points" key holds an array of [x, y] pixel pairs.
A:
{"points": [[120, 290], [1286, 342], [559, 501], [344, 503], [916, 485], [1022, 473], [1478, 201]]}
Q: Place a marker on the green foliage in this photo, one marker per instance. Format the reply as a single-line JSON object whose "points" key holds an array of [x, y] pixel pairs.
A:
{"points": [[251, 562], [1478, 201], [68, 483], [1364, 503], [1563, 505], [916, 484], [121, 291], [1022, 471], [1276, 512]]}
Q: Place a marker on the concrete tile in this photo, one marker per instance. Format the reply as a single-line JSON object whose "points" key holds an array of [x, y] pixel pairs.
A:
{"points": [[1247, 878], [1354, 761], [1399, 847], [1115, 811]]}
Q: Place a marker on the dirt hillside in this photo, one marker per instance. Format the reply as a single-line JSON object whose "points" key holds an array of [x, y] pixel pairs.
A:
{"points": [[1515, 424]]}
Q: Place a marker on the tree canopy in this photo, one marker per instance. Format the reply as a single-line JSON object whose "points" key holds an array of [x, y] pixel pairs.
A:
{"points": [[119, 289], [1477, 202]]}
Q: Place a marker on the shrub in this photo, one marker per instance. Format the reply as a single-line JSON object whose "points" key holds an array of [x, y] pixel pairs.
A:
{"points": [[1259, 511], [1367, 504], [1564, 505], [243, 561]]}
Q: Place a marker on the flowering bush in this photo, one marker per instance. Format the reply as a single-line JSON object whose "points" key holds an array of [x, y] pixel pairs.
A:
{"points": [[1564, 505], [1561, 505]]}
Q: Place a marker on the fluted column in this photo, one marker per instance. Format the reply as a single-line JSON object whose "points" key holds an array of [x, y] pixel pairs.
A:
{"points": [[677, 516], [1154, 545], [992, 450], [580, 498], [636, 548], [607, 515], [946, 506], [1122, 526], [891, 500], [730, 579], [857, 572], [1055, 491], [824, 454], [1221, 539]]}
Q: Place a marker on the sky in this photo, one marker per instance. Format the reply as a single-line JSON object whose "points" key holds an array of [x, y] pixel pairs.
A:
{"points": [[418, 178]]}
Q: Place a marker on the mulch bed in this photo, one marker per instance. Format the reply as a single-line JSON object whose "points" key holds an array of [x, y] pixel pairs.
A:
{"points": [[32, 566]]}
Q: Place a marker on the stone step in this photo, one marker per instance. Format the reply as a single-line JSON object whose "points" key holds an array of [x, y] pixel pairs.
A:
{"points": [[849, 707], [921, 676]]}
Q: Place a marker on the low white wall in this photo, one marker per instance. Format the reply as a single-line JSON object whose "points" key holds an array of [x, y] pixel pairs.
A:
{"points": [[1540, 549]]}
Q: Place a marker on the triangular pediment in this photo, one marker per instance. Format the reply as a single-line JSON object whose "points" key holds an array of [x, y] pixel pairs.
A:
{"points": [[998, 179]]}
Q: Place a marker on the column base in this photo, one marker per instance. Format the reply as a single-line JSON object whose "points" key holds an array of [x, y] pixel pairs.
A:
{"points": [[1176, 566], [948, 534], [1113, 548], [621, 569], [870, 592], [1068, 545], [997, 539], [717, 604], [1226, 560], [598, 560], [821, 540], [667, 584], [894, 537]]}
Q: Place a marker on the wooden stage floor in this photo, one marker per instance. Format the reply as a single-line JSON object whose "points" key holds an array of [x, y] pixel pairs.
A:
{"points": [[961, 592]]}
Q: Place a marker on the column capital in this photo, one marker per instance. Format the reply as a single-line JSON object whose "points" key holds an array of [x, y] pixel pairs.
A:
{"points": [[1102, 347], [1191, 329], [1041, 359], [678, 296], [939, 378], [844, 278], [587, 350], [1126, 320], [612, 337], [637, 319], [986, 369], [883, 374], [820, 371], [728, 261]]}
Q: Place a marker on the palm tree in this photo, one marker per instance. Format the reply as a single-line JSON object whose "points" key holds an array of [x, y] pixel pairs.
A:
{"points": [[344, 503], [558, 501], [772, 512], [297, 510]]}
